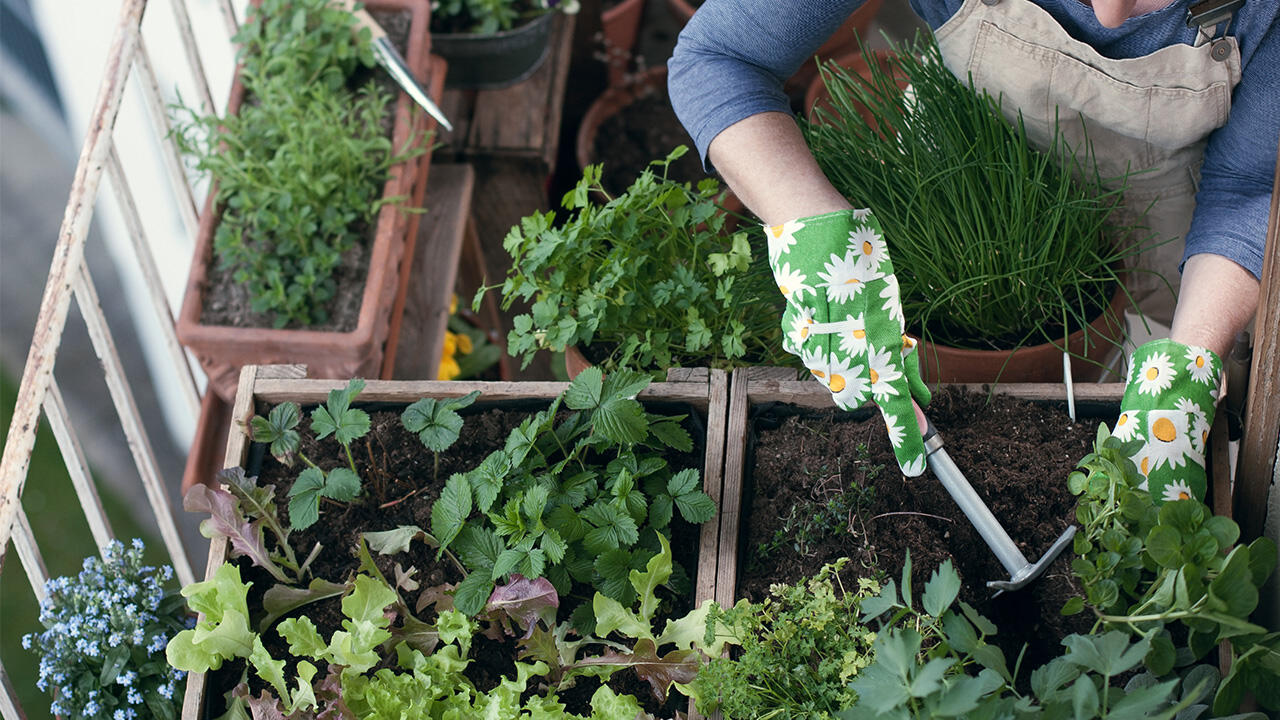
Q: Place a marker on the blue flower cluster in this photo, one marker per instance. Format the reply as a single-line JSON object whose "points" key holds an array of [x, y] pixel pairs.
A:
{"points": [[103, 647]]}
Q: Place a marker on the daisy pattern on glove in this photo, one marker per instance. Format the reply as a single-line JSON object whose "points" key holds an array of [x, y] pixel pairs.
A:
{"points": [[1155, 374], [781, 238], [868, 245], [846, 323], [1128, 425], [853, 339], [1199, 365], [792, 283], [1168, 410], [845, 277], [1176, 490]]}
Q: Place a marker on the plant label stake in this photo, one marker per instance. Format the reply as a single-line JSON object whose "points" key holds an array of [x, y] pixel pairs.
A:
{"points": [[1021, 571]]}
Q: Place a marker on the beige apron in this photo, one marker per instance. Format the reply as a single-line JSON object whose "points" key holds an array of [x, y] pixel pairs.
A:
{"points": [[1151, 113]]}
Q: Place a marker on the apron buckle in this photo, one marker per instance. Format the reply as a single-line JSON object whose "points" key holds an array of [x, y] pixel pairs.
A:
{"points": [[1211, 18]]}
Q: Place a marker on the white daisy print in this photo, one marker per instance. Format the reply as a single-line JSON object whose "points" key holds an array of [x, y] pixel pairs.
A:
{"points": [[791, 283], [1128, 425], [914, 468], [861, 213], [853, 339], [892, 303], [1177, 490], [1155, 375], [781, 238], [1145, 466], [816, 360], [848, 383], [1199, 365], [1167, 438], [896, 431], [868, 245], [882, 373], [1199, 436], [845, 277], [800, 325], [1187, 405]]}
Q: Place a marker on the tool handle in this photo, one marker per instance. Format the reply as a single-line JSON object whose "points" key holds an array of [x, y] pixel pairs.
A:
{"points": [[366, 20]]}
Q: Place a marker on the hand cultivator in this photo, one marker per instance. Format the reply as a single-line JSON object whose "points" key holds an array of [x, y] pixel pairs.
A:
{"points": [[1021, 571]]}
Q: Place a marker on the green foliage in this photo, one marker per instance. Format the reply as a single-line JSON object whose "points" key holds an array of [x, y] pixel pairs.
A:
{"points": [[651, 277], [799, 650], [300, 168], [997, 244], [581, 497], [485, 17], [1146, 570], [337, 418], [242, 511], [437, 421], [932, 661], [223, 633]]}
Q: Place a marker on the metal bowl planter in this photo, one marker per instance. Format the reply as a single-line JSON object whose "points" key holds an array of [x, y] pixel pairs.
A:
{"points": [[222, 350], [497, 60]]}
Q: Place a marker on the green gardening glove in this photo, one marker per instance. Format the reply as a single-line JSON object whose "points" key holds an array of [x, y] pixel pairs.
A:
{"points": [[1169, 405], [844, 320]]}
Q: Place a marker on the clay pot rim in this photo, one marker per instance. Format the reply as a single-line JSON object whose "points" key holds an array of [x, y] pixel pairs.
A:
{"points": [[610, 103]]}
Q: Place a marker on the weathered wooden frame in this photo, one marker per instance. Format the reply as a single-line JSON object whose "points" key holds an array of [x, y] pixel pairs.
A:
{"points": [[705, 390], [750, 386]]}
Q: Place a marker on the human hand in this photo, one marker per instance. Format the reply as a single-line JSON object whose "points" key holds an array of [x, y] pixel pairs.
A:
{"points": [[1169, 405], [844, 320]]}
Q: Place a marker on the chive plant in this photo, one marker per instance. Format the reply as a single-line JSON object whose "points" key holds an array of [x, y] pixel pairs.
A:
{"points": [[996, 244]]}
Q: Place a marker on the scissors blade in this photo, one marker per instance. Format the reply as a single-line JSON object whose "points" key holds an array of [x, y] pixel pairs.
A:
{"points": [[390, 59]]}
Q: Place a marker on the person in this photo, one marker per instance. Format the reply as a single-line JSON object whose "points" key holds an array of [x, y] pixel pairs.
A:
{"points": [[1194, 106]]}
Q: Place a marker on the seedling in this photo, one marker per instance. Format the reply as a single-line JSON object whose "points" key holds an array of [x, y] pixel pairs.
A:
{"points": [[437, 423]]}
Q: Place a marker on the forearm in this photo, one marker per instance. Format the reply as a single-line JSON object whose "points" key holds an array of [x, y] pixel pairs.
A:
{"points": [[764, 160], [1217, 300]]}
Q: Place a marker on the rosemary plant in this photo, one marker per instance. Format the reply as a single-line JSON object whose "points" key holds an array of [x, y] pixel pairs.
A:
{"points": [[997, 244]]}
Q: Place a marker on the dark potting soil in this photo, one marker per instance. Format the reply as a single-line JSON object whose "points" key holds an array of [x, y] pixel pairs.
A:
{"points": [[229, 303], [400, 484], [644, 131], [840, 467]]}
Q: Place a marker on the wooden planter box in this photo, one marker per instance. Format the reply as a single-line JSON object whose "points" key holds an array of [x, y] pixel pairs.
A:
{"points": [[754, 386], [706, 391], [223, 350]]}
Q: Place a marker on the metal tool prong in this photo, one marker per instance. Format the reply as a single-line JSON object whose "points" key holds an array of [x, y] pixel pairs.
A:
{"points": [[1021, 572]]}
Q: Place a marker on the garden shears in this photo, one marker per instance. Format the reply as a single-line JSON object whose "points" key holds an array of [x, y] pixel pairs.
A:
{"points": [[1021, 570]]}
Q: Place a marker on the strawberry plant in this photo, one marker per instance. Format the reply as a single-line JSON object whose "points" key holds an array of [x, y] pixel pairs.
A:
{"points": [[584, 496], [651, 278]]}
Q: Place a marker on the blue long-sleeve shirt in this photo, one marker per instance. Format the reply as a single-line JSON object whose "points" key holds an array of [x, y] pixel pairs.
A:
{"points": [[733, 56]]}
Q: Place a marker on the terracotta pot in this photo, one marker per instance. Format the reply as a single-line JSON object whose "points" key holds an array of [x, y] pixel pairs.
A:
{"points": [[613, 101], [1033, 364], [621, 28], [843, 41], [223, 350], [574, 361]]}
